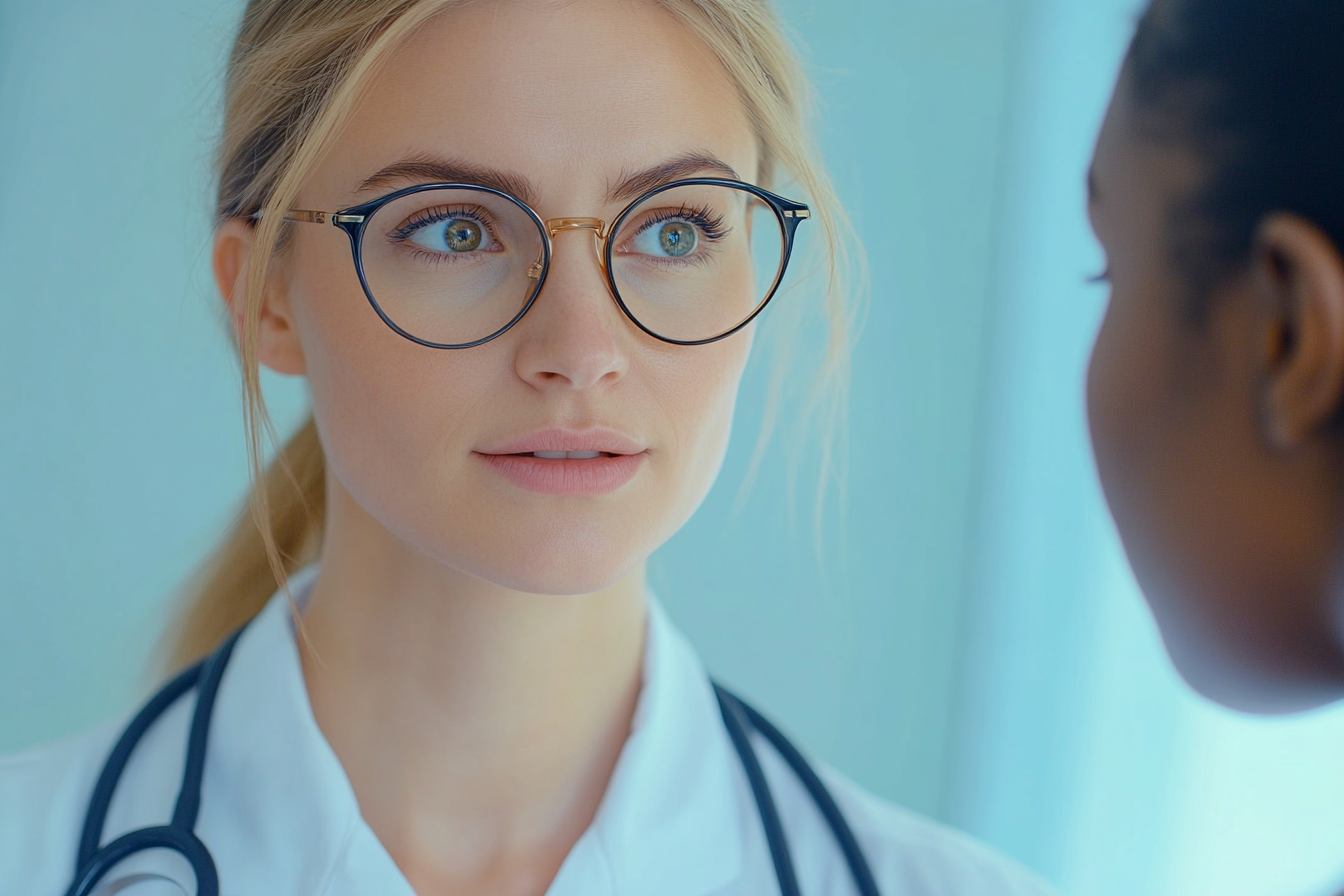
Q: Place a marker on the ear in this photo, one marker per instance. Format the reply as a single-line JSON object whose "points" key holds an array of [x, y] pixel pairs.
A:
{"points": [[1299, 276], [278, 345]]}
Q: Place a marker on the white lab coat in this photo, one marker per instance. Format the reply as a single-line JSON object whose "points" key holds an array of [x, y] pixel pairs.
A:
{"points": [[280, 818]]}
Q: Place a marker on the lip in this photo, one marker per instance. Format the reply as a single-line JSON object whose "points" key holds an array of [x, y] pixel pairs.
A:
{"points": [[621, 459], [597, 438]]}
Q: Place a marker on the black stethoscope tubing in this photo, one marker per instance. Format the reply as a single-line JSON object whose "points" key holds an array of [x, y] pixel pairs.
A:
{"points": [[737, 716], [94, 862]]}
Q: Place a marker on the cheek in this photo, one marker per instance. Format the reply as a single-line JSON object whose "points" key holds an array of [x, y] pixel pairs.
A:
{"points": [[1153, 437], [698, 392], [1135, 445], [389, 410], [1119, 392]]}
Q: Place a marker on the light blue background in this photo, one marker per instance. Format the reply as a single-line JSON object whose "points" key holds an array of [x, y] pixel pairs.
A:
{"points": [[968, 642]]}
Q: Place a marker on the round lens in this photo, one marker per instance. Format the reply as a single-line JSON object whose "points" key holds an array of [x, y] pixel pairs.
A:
{"points": [[452, 266], [693, 262]]}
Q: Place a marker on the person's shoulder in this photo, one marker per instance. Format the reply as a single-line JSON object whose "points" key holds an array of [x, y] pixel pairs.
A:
{"points": [[43, 794], [913, 854]]}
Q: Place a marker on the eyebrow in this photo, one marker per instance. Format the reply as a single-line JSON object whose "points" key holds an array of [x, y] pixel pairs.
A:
{"points": [[429, 169], [688, 165], [1092, 194]]}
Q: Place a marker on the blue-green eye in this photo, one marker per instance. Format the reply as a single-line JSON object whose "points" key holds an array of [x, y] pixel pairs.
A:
{"points": [[454, 236], [669, 239]]}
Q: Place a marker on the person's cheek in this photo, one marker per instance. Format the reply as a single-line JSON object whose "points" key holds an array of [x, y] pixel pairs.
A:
{"points": [[718, 384], [388, 410], [1104, 407], [1121, 397], [707, 378]]}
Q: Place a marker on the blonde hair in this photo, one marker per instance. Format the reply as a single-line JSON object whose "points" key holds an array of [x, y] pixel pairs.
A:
{"points": [[297, 72]]}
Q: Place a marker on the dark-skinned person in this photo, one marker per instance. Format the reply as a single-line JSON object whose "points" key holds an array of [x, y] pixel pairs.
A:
{"points": [[1216, 387]]}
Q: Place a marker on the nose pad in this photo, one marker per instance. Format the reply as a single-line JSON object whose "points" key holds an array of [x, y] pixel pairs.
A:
{"points": [[574, 339], [556, 226], [575, 267], [597, 226]]}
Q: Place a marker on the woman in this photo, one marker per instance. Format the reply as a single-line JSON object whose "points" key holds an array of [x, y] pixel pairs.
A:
{"points": [[462, 685], [1216, 390]]}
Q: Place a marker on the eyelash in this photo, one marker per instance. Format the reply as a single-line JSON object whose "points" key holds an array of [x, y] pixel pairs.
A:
{"points": [[1103, 277], [429, 217], [712, 227]]}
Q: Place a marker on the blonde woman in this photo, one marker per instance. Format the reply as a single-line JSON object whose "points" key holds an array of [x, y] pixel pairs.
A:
{"points": [[516, 250]]}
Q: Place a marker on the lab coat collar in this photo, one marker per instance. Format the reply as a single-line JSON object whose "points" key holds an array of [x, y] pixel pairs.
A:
{"points": [[673, 821]]}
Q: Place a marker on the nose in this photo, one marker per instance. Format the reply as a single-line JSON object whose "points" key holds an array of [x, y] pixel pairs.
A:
{"points": [[574, 335]]}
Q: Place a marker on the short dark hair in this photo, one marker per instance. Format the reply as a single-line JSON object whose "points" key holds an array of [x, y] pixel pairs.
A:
{"points": [[1255, 88]]}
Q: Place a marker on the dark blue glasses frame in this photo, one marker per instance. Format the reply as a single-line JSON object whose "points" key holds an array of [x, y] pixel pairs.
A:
{"points": [[354, 221]]}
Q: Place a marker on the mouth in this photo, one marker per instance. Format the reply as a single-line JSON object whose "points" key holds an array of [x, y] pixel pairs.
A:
{"points": [[568, 455], [564, 462]]}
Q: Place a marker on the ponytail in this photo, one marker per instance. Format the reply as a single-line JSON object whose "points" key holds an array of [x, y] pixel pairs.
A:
{"points": [[236, 581], [296, 72]]}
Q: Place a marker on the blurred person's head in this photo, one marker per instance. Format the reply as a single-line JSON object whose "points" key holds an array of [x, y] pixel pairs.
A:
{"points": [[1217, 382]]}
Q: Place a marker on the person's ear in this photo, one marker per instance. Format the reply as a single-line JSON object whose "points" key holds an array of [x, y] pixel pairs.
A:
{"points": [[1299, 276], [278, 345]]}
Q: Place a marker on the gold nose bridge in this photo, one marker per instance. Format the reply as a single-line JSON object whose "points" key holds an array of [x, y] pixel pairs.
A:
{"points": [[558, 225], [555, 225]]}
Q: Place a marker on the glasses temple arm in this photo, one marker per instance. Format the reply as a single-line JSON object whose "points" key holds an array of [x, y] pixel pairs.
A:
{"points": [[306, 216]]}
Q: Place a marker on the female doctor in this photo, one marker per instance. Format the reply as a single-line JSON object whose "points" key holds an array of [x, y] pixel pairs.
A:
{"points": [[515, 249]]}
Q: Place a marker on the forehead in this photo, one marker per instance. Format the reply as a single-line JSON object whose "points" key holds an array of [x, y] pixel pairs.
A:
{"points": [[1139, 169], [1117, 146], [571, 96]]}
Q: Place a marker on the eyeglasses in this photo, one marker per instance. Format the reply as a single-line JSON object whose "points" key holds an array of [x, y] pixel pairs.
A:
{"points": [[456, 265]]}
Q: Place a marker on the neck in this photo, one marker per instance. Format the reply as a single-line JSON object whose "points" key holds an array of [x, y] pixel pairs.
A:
{"points": [[478, 726]]}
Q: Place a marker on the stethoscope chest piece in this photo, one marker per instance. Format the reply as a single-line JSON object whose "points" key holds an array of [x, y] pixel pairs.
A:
{"points": [[142, 885], [95, 865], [122, 868]]}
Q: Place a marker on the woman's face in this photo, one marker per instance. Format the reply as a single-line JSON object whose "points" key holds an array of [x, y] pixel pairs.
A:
{"points": [[1221, 528], [572, 99]]}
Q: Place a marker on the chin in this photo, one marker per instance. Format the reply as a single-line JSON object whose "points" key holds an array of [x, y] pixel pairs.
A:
{"points": [[561, 580], [1250, 691], [1247, 671], [544, 563]]}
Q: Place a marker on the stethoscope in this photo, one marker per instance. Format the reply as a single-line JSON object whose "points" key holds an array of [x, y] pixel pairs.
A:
{"points": [[94, 862]]}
